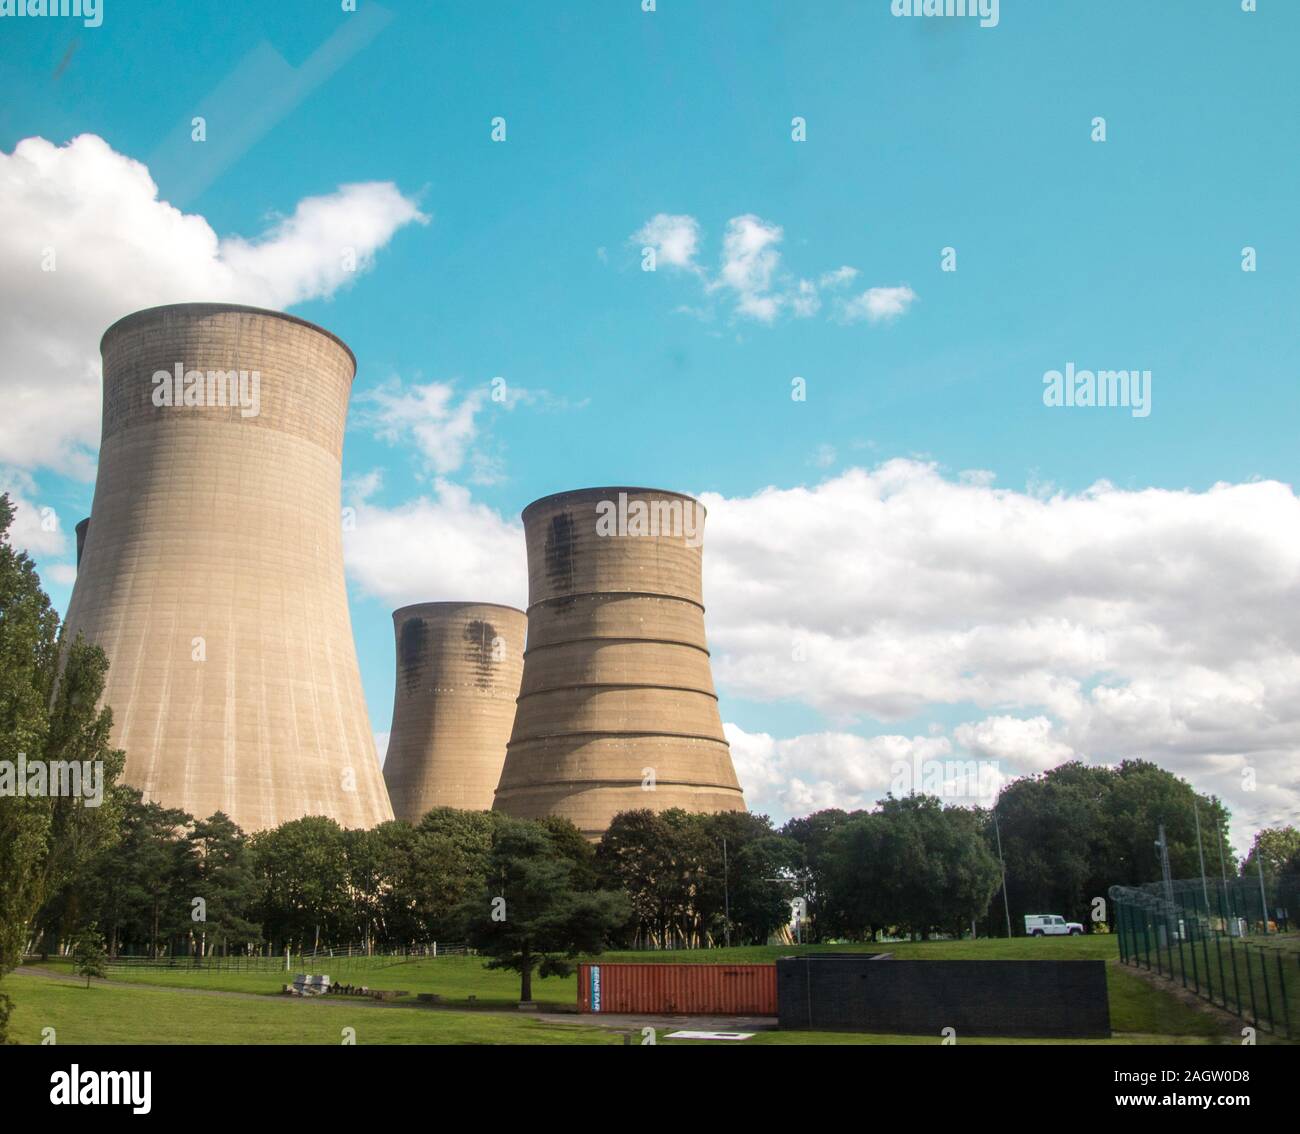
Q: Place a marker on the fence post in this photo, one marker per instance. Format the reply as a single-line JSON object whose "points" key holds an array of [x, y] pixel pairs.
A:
{"points": [[1205, 949], [1268, 995], [1286, 1006], [1236, 980], [1223, 980], [1176, 929], [1185, 930], [1250, 980]]}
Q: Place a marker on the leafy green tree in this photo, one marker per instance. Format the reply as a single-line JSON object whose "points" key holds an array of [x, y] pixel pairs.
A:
{"points": [[1278, 848], [89, 957], [225, 879], [1073, 832], [49, 711], [755, 877], [637, 856], [527, 916], [302, 870], [28, 658], [79, 730], [913, 865], [576, 847], [139, 888], [812, 834]]}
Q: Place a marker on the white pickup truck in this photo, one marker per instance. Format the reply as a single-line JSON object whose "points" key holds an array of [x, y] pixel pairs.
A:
{"points": [[1050, 925]]}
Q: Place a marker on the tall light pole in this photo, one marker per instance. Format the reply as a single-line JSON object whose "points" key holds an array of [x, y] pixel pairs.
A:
{"points": [[726, 895], [1205, 890], [1263, 900], [1006, 905]]}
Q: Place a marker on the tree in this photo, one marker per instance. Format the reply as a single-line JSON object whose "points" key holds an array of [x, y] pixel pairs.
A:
{"points": [[528, 916], [140, 888], [913, 864], [79, 731], [89, 958], [302, 870], [747, 879], [812, 834], [49, 711], [28, 657], [1075, 831], [1279, 850], [635, 856], [225, 879]]}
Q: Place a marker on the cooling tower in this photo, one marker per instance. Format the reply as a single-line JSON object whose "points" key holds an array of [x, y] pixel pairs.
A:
{"points": [[458, 669], [617, 709], [212, 575]]}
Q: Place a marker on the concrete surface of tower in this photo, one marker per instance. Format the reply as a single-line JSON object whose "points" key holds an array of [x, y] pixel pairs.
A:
{"points": [[617, 709], [212, 573], [458, 670]]}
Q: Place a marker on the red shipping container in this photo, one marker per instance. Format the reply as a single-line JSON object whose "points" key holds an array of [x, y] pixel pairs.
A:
{"points": [[677, 989]]}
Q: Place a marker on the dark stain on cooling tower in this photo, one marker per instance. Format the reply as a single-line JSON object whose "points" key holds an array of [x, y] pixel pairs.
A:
{"points": [[480, 639], [561, 542], [410, 651], [83, 530]]}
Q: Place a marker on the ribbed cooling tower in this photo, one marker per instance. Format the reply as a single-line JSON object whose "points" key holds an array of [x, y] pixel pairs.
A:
{"points": [[213, 572], [616, 686], [458, 669]]}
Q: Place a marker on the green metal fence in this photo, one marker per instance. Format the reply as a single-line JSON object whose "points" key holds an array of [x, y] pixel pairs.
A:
{"points": [[1214, 939]]}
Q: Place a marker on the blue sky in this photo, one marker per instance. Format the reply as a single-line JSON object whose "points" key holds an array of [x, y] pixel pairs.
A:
{"points": [[922, 133]]}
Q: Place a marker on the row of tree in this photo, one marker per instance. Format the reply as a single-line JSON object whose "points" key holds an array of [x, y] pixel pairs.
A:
{"points": [[168, 883]]}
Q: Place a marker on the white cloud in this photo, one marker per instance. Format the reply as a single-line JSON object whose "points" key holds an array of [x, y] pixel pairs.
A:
{"points": [[838, 278], [37, 528], [116, 248], [1107, 623], [1027, 745], [675, 239], [427, 416], [877, 304], [751, 277], [795, 776], [434, 548], [749, 261]]}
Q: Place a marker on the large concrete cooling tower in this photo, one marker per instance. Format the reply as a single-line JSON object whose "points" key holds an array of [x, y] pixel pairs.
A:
{"points": [[617, 696], [212, 574], [458, 669]]}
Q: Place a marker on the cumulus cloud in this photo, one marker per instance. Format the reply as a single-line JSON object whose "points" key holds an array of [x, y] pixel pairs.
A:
{"points": [[37, 528], [751, 278], [749, 262], [675, 239], [427, 416], [442, 546], [1104, 624], [1027, 745], [877, 304], [87, 240], [798, 775]]}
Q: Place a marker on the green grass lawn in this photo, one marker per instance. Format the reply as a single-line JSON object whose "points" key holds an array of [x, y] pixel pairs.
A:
{"points": [[458, 978], [114, 1014], [122, 1011]]}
